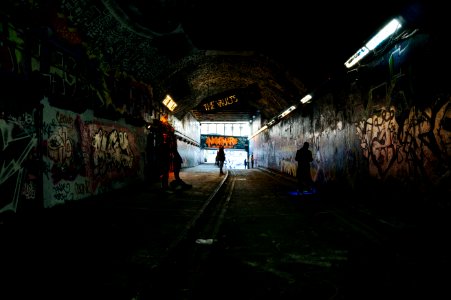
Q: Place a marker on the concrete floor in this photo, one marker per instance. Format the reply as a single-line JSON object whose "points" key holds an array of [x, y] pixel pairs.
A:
{"points": [[262, 242]]}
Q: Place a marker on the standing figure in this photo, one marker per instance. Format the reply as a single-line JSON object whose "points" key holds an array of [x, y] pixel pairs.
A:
{"points": [[164, 160], [177, 165], [221, 159], [304, 158], [252, 160]]}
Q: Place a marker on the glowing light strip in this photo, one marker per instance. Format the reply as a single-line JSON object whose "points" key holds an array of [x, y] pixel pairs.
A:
{"points": [[169, 103], [385, 32], [273, 121], [375, 41], [357, 57], [258, 131], [306, 98], [290, 109]]}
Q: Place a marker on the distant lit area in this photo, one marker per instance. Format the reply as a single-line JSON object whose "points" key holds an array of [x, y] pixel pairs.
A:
{"points": [[223, 128], [234, 157]]}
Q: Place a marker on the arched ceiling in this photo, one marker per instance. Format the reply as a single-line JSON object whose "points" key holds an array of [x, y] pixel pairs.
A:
{"points": [[194, 76], [267, 54]]}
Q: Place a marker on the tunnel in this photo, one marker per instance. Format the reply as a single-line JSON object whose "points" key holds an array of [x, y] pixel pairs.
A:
{"points": [[91, 92]]}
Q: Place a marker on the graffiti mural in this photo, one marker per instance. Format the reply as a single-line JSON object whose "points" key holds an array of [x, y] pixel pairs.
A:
{"points": [[18, 143], [229, 142], [86, 156], [378, 140], [414, 149]]}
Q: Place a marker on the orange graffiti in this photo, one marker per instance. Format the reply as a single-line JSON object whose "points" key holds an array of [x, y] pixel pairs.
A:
{"points": [[216, 141]]}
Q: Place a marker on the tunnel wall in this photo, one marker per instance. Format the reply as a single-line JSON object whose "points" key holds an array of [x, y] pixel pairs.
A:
{"points": [[85, 156], [188, 140], [70, 126], [381, 131]]}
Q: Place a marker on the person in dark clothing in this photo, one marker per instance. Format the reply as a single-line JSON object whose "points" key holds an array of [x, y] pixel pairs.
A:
{"points": [[304, 157], [177, 160], [164, 160], [177, 165], [221, 158]]}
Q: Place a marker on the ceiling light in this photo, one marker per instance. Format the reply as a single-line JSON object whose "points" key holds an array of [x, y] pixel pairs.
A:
{"points": [[375, 41], [306, 98], [382, 35], [286, 112], [169, 103]]}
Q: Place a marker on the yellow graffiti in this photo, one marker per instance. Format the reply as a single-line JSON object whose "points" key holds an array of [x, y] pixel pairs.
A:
{"points": [[59, 146], [214, 104], [63, 118]]}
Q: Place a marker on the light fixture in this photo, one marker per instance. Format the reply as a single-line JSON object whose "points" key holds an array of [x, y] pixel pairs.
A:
{"points": [[286, 112], [258, 131], [357, 57], [382, 35], [272, 122], [169, 103], [375, 41], [306, 98]]}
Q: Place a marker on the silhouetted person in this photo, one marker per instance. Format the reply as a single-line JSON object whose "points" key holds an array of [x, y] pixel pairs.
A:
{"points": [[304, 158], [221, 158], [245, 163], [252, 160], [177, 165], [164, 160]]}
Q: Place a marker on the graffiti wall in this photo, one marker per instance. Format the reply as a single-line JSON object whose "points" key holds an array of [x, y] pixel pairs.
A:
{"points": [[19, 162], [389, 124], [85, 156], [70, 126]]}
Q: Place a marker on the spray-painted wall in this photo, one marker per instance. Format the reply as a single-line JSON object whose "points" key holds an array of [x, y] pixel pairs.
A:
{"points": [[19, 161], [70, 126], [85, 156], [387, 123]]}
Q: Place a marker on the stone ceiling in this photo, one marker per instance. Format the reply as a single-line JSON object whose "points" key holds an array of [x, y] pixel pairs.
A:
{"points": [[266, 54]]}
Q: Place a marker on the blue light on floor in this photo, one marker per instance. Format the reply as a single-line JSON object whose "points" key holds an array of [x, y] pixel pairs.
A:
{"points": [[304, 193], [293, 193]]}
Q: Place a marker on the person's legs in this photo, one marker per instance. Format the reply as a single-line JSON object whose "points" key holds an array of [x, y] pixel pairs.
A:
{"points": [[300, 184], [177, 172], [307, 184], [303, 176], [165, 179], [221, 165], [178, 182]]}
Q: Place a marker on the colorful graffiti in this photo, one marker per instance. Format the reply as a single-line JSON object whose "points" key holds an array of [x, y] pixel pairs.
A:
{"points": [[230, 142], [85, 156]]}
